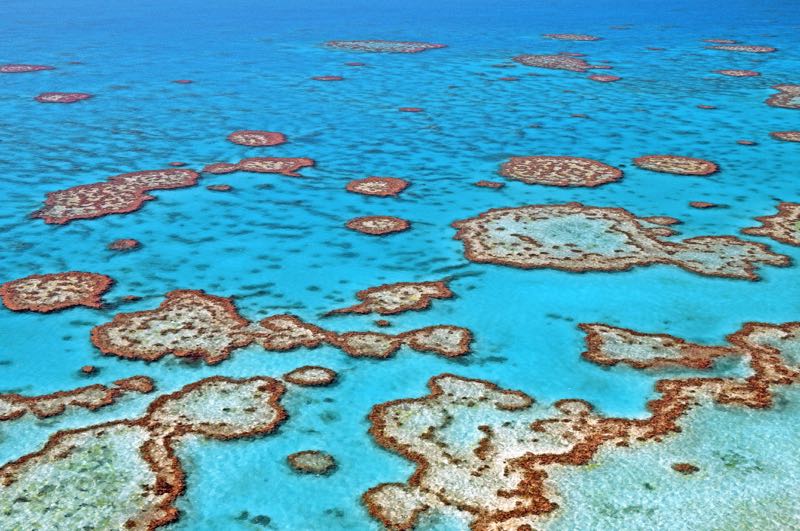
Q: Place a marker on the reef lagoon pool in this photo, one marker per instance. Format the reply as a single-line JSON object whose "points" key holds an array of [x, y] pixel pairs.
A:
{"points": [[433, 265]]}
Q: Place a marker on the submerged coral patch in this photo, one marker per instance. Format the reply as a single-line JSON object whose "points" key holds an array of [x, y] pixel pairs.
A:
{"points": [[377, 186], [560, 171], [312, 462], [256, 138], [92, 397], [483, 454], [378, 225], [783, 227], [311, 375], [327, 78], [20, 68], [131, 465], [554, 62], [411, 109], [786, 136], [738, 73], [188, 323], [604, 78], [390, 299], [676, 164], [570, 37], [124, 244], [574, 237], [55, 291], [62, 97], [381, 46], [748, 48], [489, 184], [119, 195]]}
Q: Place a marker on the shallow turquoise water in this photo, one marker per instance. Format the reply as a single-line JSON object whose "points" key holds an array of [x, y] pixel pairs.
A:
{"points": [[279, 244]]}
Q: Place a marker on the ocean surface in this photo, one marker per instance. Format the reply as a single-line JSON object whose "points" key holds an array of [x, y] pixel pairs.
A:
{"points": [[279, 244]]}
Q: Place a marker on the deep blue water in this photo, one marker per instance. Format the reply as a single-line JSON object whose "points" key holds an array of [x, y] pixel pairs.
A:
{"points": [[279, 244]]}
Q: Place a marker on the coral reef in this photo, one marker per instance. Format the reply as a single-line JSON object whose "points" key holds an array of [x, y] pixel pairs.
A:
{"points": [[380, 46], [783, 227], [377, 186], [676, 164], [378, 225], [574, 237], [121, 194], [559, 171], [389, 299], [131, 465], [55, 291]]}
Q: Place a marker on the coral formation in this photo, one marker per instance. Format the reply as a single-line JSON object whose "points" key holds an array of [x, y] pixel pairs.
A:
{"points": [[574, 237], [378, 225], [55, 291], [559, 171], [131, 465], [256, 138], [676, 164], [389, 299], [381, 46], [377, 186], [783, 227], [121, 194]]}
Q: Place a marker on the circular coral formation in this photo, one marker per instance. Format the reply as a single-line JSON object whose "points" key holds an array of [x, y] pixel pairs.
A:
{"points": [[381, 46], [574, 237], [738, 73], [378, 225], [604, 78], [747, 48], [554, 62], [559, 171], [367, 344], [62, 97], [786, 136], [121, 194], [219, 187], [124, 244], [377, 186], [20, 69], [252, 138], [788, 97], [312, 462], [311, 375], [56, 291], [676, 164], [570, 37], [88, 369]]}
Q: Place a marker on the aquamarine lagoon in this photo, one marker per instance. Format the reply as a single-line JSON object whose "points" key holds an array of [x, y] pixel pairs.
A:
{"points": [[444, 265]]}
